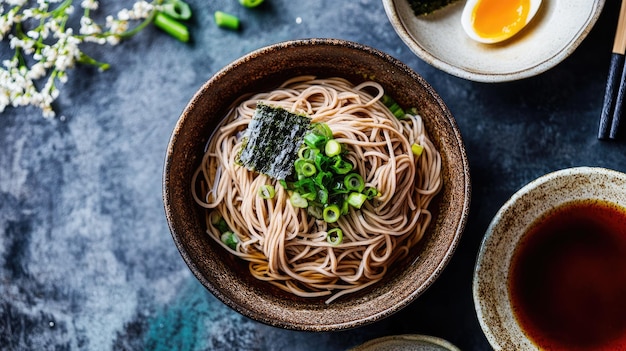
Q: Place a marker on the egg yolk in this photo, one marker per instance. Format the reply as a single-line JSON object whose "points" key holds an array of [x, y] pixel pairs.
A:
{"points": [[497, 19]]}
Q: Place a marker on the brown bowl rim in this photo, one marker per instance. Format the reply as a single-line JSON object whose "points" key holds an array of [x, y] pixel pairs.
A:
{"points": [[303, 316]]}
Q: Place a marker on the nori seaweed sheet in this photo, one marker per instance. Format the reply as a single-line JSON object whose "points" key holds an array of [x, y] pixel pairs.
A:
{"points": [[273, 139], [424, 7]]}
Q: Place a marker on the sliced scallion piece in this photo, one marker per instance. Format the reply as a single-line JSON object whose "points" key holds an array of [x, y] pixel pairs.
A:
{"points": [[356, 199], [250, 3], [354, 182], [340, 166], [219, 223], [226, 20], [298, 201], [230, 239], [393, 106], [417, 150], [334, 236], [314, 140], [305, 167], [171, 26], [267, 191], [332, 148], [322, 129], [331, 213], [177, 9]]}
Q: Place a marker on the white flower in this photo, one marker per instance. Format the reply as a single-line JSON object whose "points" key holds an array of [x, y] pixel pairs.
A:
{"points": [[16, 2], [116, 26], [123, 15], [89, 4], [88, 27], [46, 46], [141, 9], [37, 71]]}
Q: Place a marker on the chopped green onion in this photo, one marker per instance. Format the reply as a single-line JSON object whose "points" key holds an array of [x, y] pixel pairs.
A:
{"points": [[284, 184], [250, 3], [338, 187], [323, 179], [332, 148], [331, 213], [334, 236], [322, 129], [315, 211], [298, 201], [226, 20], [340, 166], [322, 196], [393, 106], [370, 192], [314, 140], [417, 149], [356, 199], [171, 26], [219, 223], [354, 182], [230, 239], [345, 208], [266, 191], [305, 186], [307, 168], [177, 9]]}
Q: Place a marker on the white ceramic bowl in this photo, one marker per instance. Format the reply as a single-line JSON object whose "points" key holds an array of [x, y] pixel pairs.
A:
{"points": [[439, 39], [491, 274]]}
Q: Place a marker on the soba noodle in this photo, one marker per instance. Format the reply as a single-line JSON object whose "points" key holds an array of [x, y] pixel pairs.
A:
{"points": [[283, 245]]}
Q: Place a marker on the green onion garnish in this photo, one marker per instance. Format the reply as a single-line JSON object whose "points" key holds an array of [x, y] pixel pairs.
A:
{"points": [[370, 192], [230, 239], [315, 141], [331, 213], [356, 199], [266, 191], [341, 167], [177, 9], [354, 182], [332, 148], [219, 223], [334, 236], [417, 149], [171, 26], [322, 129], [323, 181], [250, 3], [226, 20], [393, 106], [298, 201]]}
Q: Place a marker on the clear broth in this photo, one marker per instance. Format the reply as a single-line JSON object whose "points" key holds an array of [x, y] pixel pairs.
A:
{"points": [[568, 278]]}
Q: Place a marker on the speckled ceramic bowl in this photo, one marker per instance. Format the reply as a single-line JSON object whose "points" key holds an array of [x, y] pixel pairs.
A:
{"points": [[407, 342], [490, 288], [439, 39], [228, 278]]}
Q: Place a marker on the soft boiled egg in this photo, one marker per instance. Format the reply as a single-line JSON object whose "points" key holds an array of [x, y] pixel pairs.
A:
{"points": [[492, 21]]}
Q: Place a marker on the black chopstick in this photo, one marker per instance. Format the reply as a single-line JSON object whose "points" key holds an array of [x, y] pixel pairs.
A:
{"points": [[619, 103], [616, 83]]}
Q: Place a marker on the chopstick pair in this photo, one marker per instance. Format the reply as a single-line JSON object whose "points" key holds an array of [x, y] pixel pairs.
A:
{"points": [[615, 92]]}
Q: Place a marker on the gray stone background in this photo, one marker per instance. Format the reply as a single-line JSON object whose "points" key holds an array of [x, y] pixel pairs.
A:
{"points": [[86, 258]]}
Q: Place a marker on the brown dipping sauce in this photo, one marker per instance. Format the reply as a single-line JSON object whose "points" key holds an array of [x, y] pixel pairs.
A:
{"points": [[568, 278]]}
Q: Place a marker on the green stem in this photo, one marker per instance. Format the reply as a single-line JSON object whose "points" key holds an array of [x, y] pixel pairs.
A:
{"points": [[88, 60]]}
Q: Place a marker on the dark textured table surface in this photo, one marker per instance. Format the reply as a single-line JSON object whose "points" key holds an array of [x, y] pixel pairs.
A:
{"points": [[86, 258]]}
